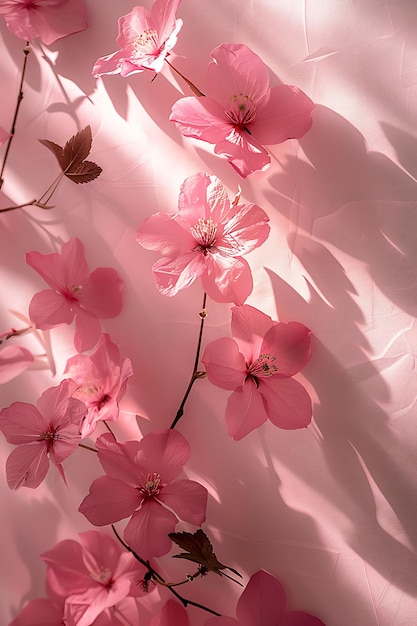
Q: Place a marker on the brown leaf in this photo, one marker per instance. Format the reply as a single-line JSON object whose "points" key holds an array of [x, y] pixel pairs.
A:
{"points": [[71, 157], [199, 550]]}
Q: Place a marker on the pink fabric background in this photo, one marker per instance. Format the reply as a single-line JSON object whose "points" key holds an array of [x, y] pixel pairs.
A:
{"points": [[329, 510]]}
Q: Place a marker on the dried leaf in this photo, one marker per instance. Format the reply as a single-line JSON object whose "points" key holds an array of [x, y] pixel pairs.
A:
{"points": [[71, 157], [199, 550]]}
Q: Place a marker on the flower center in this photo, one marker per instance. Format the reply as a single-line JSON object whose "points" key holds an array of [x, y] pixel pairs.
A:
{"points": [[242, 110], [204, 232], [146, 43], [151, 487], [50, 437], [263, 367], [104, 577]]}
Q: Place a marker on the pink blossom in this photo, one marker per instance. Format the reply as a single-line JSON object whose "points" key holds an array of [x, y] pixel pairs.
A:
{"points": [[48, 432], [91, 576], [40, 612], [171, 614], [258, 365], [74, 293], [13, 361], [140, 483], [240, 113], [206, 239], [144, 40], [262, 603], [48, 19], [102, 379]]}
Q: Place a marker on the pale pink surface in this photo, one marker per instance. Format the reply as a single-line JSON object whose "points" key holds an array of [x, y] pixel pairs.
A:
{"points": [[102, 379], [140, 482], [257, 365], [240, 113], [262, 603], [48, 432], [91, 576], [13, 361], [47, 19], [144, 39], [75, 293], [206, 240]]}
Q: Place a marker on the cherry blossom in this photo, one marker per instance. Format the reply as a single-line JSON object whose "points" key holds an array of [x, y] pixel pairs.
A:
{"points": [[13, 361], [48, 432], [48, 19], [205, 239], [102, 379], [171, 614], [91, 576], [258, 365], [75, 293], [240, 113], [262, 603], [140, 483], [41, 612], [144, 40]]}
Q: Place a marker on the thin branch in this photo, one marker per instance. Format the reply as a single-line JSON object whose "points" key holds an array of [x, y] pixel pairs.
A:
{"points": [[109, 429], [26, 51], [196, 374], [158, 579], [191, 85], [82, 445]]}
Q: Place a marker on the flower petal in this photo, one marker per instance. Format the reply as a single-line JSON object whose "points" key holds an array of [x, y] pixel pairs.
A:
{"points": [[227, 279], [104, 293], [225, 365], [173, 274], [109, 501], [67, 571], [39, 612], [13, 361], [221, 621], [244, 411], [87, 330], [172, 614], [48, 308], [118, 459], [202, 118], [285, 115], [22, 423], [109, 64], [249, 326], [27, 466], [164, 452], [244, 153], [246, 228], [287, 403], [291, 345], [167, 234], [299, 618], [187, 498], [262, 601], [147, 531]]}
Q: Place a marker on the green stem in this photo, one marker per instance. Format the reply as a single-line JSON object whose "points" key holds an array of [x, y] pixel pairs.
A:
{"points": [[196, 374], [26, 51]]}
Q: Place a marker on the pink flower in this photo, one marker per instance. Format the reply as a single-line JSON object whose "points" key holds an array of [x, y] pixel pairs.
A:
{"points": [[13, 361], [92, 576], [74, 293], [48, 19], [144, 40], [172, 614], [240, 113], [139, 483], [257, 365], [102, 379], [40, 612], [48, 432], [206, 239], [262, 603]]}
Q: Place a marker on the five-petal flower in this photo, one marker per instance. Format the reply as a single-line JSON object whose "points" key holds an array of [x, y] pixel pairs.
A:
{"points": [[262, 603], [48, 19], [75, 292], [206, 238], [102, 379], [145, 40], [140, 483], [48, 432], [91, 576], [240, 113], [258, 365]]}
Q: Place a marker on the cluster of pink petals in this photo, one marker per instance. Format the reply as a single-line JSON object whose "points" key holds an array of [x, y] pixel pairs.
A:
{"points": [[48, 432], [262, 603], [102, 379], [74, 293], [205, 239], [240, 112], [144, 40], [13, 361], [91, 576], [258, 365], [48, 19], [140, 483]]}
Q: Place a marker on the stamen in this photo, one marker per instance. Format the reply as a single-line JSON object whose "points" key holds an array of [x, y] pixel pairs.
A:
{"points": [[146, 43], [104, 577], [242, 110], [263, 366], [151, 487], [204, 232]]}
